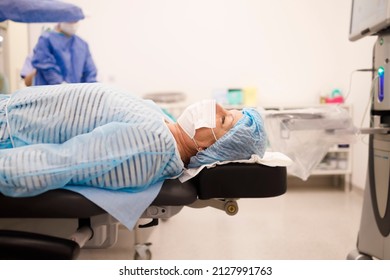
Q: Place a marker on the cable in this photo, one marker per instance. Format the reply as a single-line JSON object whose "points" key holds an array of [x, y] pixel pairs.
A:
{"points": [[369, 100], [368, 104], [350, 79]]}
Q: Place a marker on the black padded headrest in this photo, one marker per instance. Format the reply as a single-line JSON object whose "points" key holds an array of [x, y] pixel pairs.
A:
{"points": [[241, 180]]}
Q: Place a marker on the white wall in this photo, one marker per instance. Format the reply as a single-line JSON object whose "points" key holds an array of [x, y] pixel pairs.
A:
{"points": [[15, 50], [289, 50]]}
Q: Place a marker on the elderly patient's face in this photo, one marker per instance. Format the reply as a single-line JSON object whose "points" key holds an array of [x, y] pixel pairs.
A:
{"points": [[225, 120]]}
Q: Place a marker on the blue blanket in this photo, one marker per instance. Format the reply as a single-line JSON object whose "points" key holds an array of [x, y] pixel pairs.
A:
{"points": [[126, 207]]}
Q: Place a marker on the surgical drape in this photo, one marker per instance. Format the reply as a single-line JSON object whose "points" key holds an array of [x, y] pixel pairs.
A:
{"points": [[39, 11], [82, 134]]}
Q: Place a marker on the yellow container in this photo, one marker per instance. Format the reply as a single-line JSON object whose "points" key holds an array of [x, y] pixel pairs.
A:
{"points": [[250, 96]]}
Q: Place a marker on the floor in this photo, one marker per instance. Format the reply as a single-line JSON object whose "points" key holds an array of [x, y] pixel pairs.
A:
{"points": [[313, 220]]}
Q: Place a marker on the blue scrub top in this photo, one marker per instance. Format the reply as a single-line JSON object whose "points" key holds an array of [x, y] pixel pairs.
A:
{"points": [[60, 58]]}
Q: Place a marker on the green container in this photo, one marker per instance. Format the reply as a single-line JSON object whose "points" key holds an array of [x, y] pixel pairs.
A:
{"points": [[235, 97]]}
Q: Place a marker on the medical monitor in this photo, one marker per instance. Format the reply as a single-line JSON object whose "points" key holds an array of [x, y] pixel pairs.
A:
{"points": [[368, 17]]}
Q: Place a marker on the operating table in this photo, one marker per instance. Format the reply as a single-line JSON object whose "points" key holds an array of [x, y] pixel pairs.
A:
{"points": [[218, 187]]}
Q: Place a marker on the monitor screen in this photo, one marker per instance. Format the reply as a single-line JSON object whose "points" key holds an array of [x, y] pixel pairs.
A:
{"points": [[368, 17]]}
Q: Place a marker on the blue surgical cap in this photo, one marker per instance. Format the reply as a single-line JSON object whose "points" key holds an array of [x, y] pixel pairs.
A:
{"points": [[246, 138]]}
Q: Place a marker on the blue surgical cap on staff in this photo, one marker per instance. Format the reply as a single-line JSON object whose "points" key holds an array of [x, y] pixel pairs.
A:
{"points": [[246, 138]]}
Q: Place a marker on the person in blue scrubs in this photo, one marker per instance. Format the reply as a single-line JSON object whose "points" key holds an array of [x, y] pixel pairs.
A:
{"points": [[61, 56], [28, 72]]}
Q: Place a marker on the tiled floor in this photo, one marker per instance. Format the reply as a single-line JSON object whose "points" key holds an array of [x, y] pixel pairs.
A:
{"points": [[311, 221]]}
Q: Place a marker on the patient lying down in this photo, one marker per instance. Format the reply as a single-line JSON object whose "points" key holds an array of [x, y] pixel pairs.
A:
{"points": [[99, 136]]}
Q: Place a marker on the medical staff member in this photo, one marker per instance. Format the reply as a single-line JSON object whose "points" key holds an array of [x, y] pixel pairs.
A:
{"points": [[98, 136], [28, 72], [61, 56]]}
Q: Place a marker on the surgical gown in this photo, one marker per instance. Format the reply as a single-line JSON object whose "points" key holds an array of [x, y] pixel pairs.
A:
{"points": [[59, 58], [84, 135]]}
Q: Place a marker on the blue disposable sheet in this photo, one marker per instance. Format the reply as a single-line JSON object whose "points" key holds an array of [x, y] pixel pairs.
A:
{"points": [[124, 206], [30, 11]]}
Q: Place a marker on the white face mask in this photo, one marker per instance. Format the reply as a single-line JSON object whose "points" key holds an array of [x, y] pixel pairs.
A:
{"points": [[69, 28], [197, 115]]}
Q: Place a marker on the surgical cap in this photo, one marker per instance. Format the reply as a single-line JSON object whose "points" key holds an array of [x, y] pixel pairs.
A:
{"points": [[246, 138]]}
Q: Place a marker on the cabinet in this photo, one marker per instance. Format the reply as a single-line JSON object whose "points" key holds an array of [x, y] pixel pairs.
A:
{"points": [[337, 162]]}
